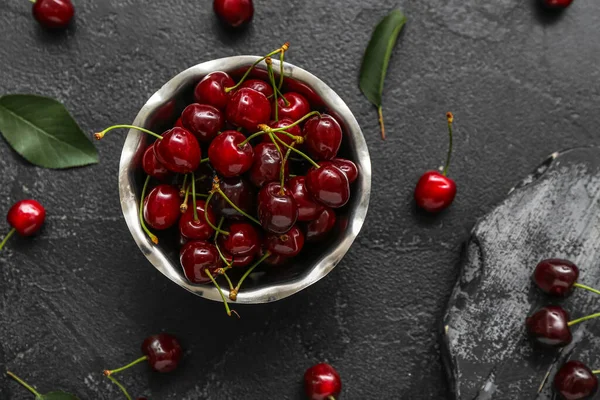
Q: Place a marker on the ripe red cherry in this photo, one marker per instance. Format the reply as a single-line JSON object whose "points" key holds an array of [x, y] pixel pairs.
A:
{"points": [[277, 210], [347, 167], [267, 164], [243, 240], [328, 185], [434, 192], [227, 157], [288, 244], [234, 13], [203, 120], [323, 137], [557, 4], [322, 382], [178, 150], [555, 276], [53, 14], [549, 326], [192, 229], [308, 208], [240, 192], [283, 122], [248, 108], [211, 90], [26, 217], [297, 108], [153, 167], [161, 207], [319, 228], [259, 85], [575, 381], [238, 261], [163, 352], [198, 256]]}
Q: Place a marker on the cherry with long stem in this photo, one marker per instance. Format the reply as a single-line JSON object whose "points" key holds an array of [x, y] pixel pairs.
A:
{"points": [[233, 293], [152, 236], [25, 384], [110, 372]]}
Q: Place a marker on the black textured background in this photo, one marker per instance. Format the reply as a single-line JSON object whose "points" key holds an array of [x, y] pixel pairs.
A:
{"points": [[80, 297]]}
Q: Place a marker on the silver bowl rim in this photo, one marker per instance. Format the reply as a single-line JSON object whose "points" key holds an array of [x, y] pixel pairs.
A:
{"points": [[276, 291]]}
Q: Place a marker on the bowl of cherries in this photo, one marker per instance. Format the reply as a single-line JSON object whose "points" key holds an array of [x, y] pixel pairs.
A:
{"points": [[244, 178]]}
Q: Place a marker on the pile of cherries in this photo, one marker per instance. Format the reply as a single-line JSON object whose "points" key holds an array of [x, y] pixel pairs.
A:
{"points": [[550, 327], [271, 182]]}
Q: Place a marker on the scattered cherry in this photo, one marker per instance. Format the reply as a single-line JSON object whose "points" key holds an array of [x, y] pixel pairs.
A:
{"points": [[308, 208], [53, 14], [198, 256], [259, 85], [575, 381], [328, 185], [234, 13], [211, 90], [550, 326], [287, 244], [242, 240], [283, 122], [248, 108], [26, 217], [277, 210], [153, 167], [227, 157], [323, 136], [203, 120], [322, 382], [557, 4], [163, 352], [178, 150], [161, 207], [240, 192], [321, 226], [267, 164], [199, 229], [296, 107], [555, 276]]}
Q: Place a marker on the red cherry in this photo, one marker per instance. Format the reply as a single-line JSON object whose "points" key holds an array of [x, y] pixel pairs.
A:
{"points": [[434, 192], [575, 381], [211, 90], [549, 326], [153, 167], [161, 207], [557, 4], [53, 14], [555, 276], [293, 85], [234, 13], [203, 120], [238, 261], [248, 108], [267, 164], [178, 150], [198, 256], [178, 123], [288, 244], [227, 157], [323, 137], [297, 108], [277, 210], [259, 85], [328, 185], [26, 217], [322, 382], [243, 240], [283, 122], [163, 352], [308, 208], [274, 260], [319, 228], [347, 167], [240, 192], [191, 229]]}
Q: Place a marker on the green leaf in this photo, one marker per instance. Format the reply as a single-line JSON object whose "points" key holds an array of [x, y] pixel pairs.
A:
{"points": [[377, 57], [42, 131], [59, 396]]}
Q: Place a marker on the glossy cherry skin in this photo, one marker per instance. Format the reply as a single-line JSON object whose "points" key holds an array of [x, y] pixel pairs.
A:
{"points": [[259, 85], [234, 13], [283, 122], [243, 240], [238, 261], [53, 14], [163, 351], [322, 382], [178, 150], [191, 229], [557, 4], [211, 90], [434, 192], [347, 167], [248, 108], [203, 120], [549, 326], [153, 167], [161, 207], [575, 381], [267, 164], [26, 217], [240, 192], [323, 137], [308, 208], [227, 157], [321, 226], [555, 276], [288, 244], [277, 212], [298, 106], [198, 256], [328, 185]]}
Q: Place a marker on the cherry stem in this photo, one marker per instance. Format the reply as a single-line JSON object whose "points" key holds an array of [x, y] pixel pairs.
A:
{"points": [[281, 57], [236, 208], [249, 271], [183, 186], [285, 128], [450, 119], [22, 382], [221, 293], [272, 80], [587, 317], [204, 160], [110, 372], [596, 371], [184, 205], [208, 219], [307, 158], [272, 136], [381, 124], [8, 235], [330, 398], [282, 170], [281, 49], [227, 277], [259, 133], [100, 135], [196, 219], [217, 243], [116, 382], [579, 285], [152, 236], [203, 195]]}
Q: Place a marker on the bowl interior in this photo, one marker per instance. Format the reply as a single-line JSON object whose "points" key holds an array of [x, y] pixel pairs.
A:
{"points": [[267, 283]]}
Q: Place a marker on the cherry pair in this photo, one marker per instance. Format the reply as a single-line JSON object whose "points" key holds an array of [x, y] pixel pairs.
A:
{"points": [[26, 218]]}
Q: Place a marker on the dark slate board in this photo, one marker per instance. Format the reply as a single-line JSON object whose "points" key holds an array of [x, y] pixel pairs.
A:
{"points": [[555, 212]]}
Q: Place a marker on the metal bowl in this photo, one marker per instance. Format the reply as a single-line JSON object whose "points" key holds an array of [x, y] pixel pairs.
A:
{"points": [[160, 112]]}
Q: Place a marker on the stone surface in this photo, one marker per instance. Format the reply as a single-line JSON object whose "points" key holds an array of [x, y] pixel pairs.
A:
{"points": [[80, 297]]}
